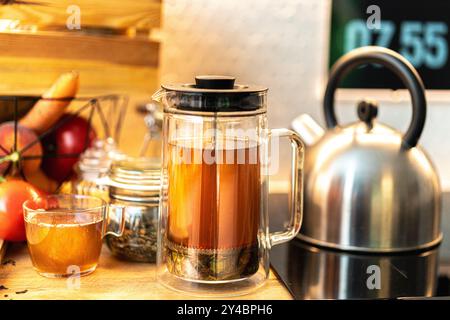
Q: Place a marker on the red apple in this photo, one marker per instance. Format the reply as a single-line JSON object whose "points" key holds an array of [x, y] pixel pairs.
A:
{"points": [[64, 145], [24, 137]]}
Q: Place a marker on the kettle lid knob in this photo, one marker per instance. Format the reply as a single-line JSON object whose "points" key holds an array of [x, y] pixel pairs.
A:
{"points": [[367, 111]]}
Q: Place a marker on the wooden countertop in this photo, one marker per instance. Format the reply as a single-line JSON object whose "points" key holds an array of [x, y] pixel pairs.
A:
{"points": [[113, 279]]}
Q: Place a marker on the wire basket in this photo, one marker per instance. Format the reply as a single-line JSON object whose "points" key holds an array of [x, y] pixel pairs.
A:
{"points": [[105, 114]]}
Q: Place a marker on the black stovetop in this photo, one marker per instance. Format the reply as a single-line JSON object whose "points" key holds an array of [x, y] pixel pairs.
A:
{"points": [[310, 272]]}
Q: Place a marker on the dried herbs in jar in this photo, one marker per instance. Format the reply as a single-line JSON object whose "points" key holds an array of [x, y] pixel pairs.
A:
{"points": [[134, 183]]}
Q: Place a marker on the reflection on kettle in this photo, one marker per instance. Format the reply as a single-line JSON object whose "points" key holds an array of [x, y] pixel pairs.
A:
{"points": [[332, 274]]}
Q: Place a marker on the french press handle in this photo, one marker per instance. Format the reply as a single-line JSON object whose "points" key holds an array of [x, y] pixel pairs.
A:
{"points": [[399, 66]]}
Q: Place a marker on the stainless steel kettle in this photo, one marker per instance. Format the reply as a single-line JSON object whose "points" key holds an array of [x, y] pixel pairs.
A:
{"points": [[368, 187]]}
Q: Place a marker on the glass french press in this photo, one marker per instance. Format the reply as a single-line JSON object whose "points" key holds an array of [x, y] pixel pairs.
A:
{"points": [[213, 236]]}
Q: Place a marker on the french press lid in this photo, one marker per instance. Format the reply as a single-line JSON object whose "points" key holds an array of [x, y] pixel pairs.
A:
{"points": [[213, 93]]}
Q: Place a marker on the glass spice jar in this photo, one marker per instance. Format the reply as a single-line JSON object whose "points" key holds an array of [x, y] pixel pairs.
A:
{"points": [[92, 169], [135, 184]]}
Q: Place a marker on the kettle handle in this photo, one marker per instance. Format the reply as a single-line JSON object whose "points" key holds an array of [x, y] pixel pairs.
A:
{"points": [[398, 65]]}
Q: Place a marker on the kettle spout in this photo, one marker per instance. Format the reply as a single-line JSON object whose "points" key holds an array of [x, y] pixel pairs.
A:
{"points": [[308, 129]]}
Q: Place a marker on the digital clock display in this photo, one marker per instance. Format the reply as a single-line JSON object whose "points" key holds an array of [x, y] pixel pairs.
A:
{"points": [[417, 29]]}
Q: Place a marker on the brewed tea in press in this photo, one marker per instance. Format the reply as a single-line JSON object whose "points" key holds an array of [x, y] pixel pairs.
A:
{"points": [[213, 237], [213, 219]]}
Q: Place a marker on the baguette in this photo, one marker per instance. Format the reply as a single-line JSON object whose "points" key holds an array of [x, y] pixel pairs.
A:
{"points": [[45, 113]]}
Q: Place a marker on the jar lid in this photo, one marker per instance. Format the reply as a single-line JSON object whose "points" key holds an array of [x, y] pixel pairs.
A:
{"points": [[215, 94], [99, 156], [135, 179]]}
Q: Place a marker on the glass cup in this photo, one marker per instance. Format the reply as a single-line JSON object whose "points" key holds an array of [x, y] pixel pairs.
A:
{"points": [[65, 232]]}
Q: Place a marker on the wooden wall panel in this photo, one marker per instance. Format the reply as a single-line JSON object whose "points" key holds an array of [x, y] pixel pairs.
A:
{"points": [[116, 14], [117, 49]]}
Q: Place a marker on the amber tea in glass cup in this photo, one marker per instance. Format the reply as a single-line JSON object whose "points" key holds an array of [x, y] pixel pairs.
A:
{"points": [[64, 232]]}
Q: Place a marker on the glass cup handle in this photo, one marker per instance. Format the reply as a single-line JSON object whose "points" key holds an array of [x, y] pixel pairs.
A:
{"points": [[296, 195], [114, 223]]}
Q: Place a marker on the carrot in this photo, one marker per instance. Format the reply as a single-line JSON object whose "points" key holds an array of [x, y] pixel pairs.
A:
{"points": [[46, 113]]}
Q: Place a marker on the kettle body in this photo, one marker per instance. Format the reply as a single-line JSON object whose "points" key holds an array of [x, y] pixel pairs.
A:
{"points": [[364, 193], [368, 187]]}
